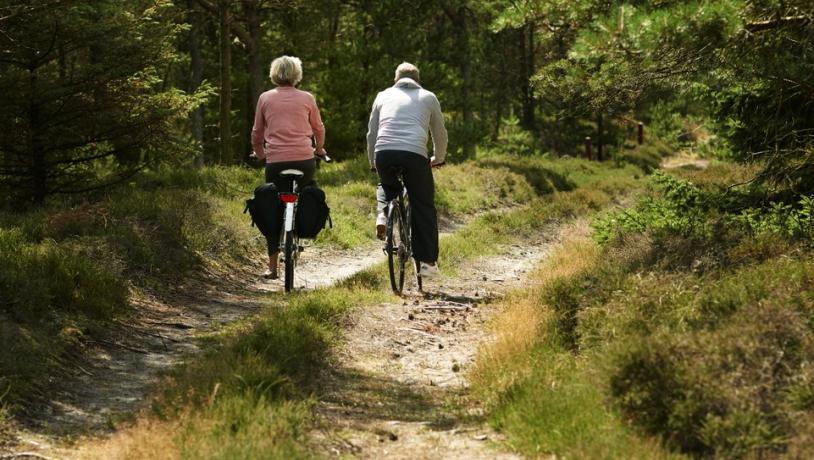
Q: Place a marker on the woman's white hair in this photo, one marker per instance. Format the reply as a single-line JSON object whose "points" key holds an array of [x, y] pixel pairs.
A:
{"points": [[286, 71], [407, 70]]}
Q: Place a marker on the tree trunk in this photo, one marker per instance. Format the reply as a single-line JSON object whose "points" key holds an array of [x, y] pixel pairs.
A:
{"points": [[225, 84], [466, 72], [255, 66], [457, 17], [195, 78], [599, 140], [529, 108], [39, 168]]}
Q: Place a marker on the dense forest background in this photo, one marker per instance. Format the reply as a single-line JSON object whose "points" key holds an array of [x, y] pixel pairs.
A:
{"points": [[94, 91]]}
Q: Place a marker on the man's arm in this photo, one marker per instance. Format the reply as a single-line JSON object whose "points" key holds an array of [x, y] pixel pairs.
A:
{"points": [[372, 133], [438, 131]]}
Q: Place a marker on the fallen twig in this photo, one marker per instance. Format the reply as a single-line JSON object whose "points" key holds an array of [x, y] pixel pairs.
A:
{"points": [[421, 332]]}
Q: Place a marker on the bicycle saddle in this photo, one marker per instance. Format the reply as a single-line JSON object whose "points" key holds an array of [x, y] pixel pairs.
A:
{"points": [[292, 173]]}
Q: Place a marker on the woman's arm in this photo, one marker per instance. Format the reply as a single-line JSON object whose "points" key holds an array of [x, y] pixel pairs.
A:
{"points": [[259, 130], [317, 127]]}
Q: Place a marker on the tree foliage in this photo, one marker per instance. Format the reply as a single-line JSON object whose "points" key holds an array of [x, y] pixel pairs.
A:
{"points": [[748, 61], [84, 94]]}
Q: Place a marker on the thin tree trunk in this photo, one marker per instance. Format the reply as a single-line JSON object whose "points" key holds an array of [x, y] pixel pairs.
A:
{"points": [[195, 78], [39, 168], [466, 71], [255, 66], [225, 85], [599, 140], [529, 121], [457, 17]]}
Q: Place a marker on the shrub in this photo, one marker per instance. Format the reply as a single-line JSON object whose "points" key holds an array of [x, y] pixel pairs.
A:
{"points": [[724, 391]]}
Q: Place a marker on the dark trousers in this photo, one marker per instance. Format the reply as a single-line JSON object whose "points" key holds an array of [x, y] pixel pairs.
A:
{"points": [[421, 190], [283, 184]]}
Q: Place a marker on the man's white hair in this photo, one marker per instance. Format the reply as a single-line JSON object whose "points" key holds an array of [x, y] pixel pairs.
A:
{"points": [[286, 71], [406, 70]]}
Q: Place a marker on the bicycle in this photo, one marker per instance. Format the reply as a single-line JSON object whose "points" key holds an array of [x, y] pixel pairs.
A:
{"points": [[398, 239], [398, 244], [289, 241]]}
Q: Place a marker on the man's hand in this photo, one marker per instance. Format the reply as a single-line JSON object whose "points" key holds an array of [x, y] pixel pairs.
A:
{"points": [[435, 163], [253, 156]]}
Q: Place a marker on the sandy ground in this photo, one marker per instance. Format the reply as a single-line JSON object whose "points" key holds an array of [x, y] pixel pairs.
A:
{"points": [[113, 381], [400, 379]]}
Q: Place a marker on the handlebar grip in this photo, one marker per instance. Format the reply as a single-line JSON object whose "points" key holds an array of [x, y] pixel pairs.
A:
{"points": [[324, 158]]}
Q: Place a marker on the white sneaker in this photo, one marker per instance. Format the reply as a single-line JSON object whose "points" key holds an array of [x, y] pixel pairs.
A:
{"points": [[429, 271], [381, 226]]}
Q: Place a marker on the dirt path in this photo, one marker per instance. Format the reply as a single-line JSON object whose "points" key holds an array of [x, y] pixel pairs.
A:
{"points": [[113, 381], [391, 395], [403, 367]]}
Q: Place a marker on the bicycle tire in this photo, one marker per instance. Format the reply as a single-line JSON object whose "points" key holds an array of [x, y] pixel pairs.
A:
{"points": [[395, 248], [409, 244], [290, 253]]}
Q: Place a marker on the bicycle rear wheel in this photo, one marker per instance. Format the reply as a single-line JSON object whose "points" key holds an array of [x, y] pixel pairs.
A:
{"points": [[290, 252], [408, 240], [395, 247]]}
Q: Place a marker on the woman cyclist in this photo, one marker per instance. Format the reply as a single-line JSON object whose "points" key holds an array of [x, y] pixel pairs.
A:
{"points": [[285, 122]]}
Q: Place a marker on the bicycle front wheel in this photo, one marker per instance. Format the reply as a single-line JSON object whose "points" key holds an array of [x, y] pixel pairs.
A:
{"points": [[290, 252], [396, 248]]}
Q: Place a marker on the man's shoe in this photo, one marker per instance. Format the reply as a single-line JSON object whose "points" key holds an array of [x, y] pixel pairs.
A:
{"points": [[429, 271], [381, 226], [270, 275]]}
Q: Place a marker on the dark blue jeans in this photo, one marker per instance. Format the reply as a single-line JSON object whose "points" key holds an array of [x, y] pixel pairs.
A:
{"points": [[421, 189]]}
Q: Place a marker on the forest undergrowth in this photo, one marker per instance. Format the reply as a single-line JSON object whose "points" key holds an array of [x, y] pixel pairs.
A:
{"points": [[679, 327]]}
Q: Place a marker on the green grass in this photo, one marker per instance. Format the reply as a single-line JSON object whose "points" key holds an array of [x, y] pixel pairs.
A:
{"points": [[662, 342]]}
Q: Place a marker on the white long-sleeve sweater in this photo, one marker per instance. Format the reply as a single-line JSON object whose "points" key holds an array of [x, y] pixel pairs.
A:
{"points": [[400, 119]]}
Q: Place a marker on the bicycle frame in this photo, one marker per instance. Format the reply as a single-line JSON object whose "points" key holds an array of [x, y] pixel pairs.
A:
{"points": [[399, 215]]}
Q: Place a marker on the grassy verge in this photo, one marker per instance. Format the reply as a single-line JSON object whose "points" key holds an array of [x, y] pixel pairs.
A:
{"points": [[688, 331], [250, 395]]}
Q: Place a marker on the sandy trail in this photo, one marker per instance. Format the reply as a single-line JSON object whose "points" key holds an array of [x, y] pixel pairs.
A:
{"points": [[403, 367], [115, 376], [391, 394]]}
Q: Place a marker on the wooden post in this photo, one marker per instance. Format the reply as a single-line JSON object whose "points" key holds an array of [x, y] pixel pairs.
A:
{"points": [[640, 137], [588, 148]]}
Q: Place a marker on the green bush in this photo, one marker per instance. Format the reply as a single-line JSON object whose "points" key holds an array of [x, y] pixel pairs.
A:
{"points": [[727, 391]]}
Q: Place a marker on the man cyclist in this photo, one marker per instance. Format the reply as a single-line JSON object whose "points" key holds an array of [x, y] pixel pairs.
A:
{"points": [[400, 120]]}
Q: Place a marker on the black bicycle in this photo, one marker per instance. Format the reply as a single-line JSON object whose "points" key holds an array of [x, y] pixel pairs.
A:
{"points": [[398, 239]]}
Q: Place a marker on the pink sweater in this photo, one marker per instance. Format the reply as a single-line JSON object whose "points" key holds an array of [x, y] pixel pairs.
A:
{"points": [[284, 122]]}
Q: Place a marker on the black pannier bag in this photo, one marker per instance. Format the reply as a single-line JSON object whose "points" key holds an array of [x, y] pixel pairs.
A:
{"points": [[265, 208], [312, 212]]}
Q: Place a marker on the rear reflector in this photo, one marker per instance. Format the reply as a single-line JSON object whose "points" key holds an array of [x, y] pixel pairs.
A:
{"points": [[288, 197]]}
